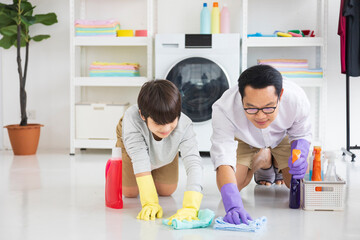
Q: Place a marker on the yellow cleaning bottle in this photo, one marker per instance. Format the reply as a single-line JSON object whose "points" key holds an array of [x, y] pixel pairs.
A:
{"points": [[215, 19]]}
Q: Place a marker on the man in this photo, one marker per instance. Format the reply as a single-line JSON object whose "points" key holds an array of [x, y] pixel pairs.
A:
{"points": [[259, 121]]}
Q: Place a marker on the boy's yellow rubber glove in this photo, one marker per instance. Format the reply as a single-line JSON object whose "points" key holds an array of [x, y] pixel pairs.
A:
{"points": [[191, 206], [148, 198]]}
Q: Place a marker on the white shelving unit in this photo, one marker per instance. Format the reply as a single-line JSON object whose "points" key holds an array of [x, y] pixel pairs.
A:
{"points": [[319, 43], [80, 53]]}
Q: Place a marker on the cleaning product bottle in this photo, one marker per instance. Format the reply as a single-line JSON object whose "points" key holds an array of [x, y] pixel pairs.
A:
{"points": [[330, 174], [215, 18], [294, 198], [225, 20], [316, 174], [205, 20], [311, 160], [113, 176]]}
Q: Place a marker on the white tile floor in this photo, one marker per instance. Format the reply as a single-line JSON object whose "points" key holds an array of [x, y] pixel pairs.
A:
{"points": [[54, 196]]}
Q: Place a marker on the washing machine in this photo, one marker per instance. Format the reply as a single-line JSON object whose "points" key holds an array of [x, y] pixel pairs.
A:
{"points": [[203, 67]]}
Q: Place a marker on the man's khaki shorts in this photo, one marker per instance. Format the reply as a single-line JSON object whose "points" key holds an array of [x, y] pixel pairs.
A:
{"points": [[281, 153], [167, 174]]}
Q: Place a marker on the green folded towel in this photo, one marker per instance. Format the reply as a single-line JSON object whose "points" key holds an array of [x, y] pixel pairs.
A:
{"points": [[205, 218]]}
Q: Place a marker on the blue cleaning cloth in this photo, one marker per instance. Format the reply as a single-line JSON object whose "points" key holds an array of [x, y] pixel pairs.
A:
{"points": [[254, 226], [205, 218]]}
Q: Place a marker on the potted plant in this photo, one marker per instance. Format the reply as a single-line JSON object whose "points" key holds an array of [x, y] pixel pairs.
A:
{"points": [[15, 22]]}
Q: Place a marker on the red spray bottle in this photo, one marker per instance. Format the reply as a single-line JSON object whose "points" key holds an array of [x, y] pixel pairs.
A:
{"points": [[113, 176]]}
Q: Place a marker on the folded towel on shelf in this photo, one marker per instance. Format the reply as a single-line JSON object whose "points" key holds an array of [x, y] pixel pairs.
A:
{"points": [[113, 69], [285, 63], [114, 74], [295, 63], [96, 28], [293, 68], [98, 23], [301, 73], [95, 35], [115, 64], [125, 67], [205, 218], [254, 225]]}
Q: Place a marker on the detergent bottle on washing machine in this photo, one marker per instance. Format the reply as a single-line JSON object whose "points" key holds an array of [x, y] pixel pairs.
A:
{"points": [[205, 20], [215, 18], [113, 176], [224, 20]]}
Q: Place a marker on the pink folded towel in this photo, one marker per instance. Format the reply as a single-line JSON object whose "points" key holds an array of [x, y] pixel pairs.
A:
{"points": [[125, 67], [96, 23]]}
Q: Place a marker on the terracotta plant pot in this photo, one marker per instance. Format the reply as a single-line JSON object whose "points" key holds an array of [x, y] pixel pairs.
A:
{"points": [[24, 139]]}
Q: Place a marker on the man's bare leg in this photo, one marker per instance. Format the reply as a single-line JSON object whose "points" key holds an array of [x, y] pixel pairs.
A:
{"points": [[276, 166], [261, 159], [286, 176]]}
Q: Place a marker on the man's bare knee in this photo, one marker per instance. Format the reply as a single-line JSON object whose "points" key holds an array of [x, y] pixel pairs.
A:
{"points": [[261, 159]]}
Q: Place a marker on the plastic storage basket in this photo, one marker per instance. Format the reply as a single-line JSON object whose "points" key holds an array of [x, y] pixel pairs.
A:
{"points": [[321, 195]]}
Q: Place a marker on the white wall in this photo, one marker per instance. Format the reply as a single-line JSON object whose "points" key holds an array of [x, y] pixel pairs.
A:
{"points": [[1, 100], [48, 76], [47, 81]]}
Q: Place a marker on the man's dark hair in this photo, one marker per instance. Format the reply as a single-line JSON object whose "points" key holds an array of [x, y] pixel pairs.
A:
{"points": [[160, 100], [260, 76]]}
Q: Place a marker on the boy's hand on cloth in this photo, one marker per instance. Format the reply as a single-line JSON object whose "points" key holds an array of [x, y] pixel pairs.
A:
{"points": [[299, 167], [235, 211], [149, 199], [150, 211], [191, 206]]}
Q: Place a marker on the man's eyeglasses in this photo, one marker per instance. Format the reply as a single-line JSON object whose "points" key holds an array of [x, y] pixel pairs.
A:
{"points": [[266, 110]]}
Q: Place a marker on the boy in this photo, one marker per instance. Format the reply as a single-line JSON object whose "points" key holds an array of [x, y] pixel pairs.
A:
{"points": [[151, 134]]}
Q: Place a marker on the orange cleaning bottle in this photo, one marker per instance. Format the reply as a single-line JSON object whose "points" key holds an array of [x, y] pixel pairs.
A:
{"points": [[316, 174], [294, 198]]}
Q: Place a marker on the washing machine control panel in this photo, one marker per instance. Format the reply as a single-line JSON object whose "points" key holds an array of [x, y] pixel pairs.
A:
{"points": [[198, 40]]}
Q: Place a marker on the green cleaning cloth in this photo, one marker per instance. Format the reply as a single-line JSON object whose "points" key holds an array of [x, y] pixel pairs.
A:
{"points": [[205, 218]]}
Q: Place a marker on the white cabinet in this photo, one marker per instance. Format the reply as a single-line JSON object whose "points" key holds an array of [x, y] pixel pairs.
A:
{"points": [[267, 16], [136, 15]]}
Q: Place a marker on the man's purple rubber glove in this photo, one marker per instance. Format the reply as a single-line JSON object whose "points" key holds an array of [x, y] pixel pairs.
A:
{"points": [[298, 168], [235, 212]]}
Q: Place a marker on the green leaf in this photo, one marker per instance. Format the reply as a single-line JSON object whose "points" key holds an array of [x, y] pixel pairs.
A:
{"points": [[9, 30], [46, 19], [6, 42], [27, 20], [39, 38], [5, 20], [27, 8], [16, 1]]}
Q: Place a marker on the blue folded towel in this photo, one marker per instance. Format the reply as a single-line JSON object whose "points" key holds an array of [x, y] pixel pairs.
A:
{"points": [[254, 226], [205, 218]]}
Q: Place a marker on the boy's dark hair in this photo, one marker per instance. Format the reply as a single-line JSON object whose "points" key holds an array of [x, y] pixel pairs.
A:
{"points": [[160, 100], [260, 76]]}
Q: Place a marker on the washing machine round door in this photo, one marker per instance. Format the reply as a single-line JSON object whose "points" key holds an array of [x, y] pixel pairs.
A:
{"points": [[201, 82]]}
